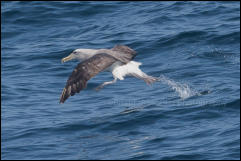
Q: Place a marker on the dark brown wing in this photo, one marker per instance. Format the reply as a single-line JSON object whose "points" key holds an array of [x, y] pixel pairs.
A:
{"points": [[85, 71], [124, 51]]}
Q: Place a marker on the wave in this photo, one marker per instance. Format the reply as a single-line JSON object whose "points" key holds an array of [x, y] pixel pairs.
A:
{"points": [[223, 39], [191, 50], [185, 36]]}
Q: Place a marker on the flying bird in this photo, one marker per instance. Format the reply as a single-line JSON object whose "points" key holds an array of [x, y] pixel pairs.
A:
{"points": [[117, 60]]}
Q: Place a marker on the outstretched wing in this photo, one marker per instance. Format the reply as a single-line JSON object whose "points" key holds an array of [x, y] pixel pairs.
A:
{"points": [[122, 53], [124, 49], [85, 71]]}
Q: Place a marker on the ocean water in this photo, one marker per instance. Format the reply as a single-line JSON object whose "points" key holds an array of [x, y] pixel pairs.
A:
{"points": [[193, 112]]}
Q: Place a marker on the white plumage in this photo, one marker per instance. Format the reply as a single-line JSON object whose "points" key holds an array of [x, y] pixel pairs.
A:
{"points": [[121, 70]]}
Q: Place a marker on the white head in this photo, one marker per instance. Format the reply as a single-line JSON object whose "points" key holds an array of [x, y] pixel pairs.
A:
{"points": [[80, 54]]}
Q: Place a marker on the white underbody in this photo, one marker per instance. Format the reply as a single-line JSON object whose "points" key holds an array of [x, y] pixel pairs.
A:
{"points": [[120, 70]]}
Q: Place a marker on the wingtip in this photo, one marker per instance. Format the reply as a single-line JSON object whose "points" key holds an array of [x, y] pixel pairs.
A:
{"points": [[61, 101]]}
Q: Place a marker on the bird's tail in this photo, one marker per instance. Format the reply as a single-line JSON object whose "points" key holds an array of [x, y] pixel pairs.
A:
{"points": [[141, 75]]}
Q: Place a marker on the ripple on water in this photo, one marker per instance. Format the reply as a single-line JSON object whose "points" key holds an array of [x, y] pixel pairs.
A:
{"points": [[193, 112]]}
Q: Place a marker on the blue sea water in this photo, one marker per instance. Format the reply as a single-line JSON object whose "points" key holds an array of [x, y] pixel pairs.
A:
{"points": [[192, 113]]}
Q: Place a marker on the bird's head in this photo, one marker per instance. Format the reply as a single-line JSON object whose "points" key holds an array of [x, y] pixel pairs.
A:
{"points": [[79, 54], [76, 54]]}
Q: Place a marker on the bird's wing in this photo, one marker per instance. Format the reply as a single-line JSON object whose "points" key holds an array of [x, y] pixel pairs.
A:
{"points": [[124, 49], [121, 52], [85, 71], [124, 52]]}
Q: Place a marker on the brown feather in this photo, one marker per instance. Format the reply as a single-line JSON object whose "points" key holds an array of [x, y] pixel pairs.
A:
{"points": [[121, 52], [85, 71], [124, 49]]}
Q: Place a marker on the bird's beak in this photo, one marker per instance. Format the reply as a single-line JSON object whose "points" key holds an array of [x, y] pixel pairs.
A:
{"points": [[67, 58]]}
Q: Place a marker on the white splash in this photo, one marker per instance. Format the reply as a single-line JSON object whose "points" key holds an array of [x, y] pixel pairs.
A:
{"points": [[183, 90]]}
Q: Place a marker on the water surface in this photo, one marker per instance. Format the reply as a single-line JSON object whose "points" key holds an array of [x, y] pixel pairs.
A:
{"points": [[192, 113]]}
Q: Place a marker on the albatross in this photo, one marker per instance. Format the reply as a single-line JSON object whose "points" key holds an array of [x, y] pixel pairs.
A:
{"points": [[117, 60]]}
